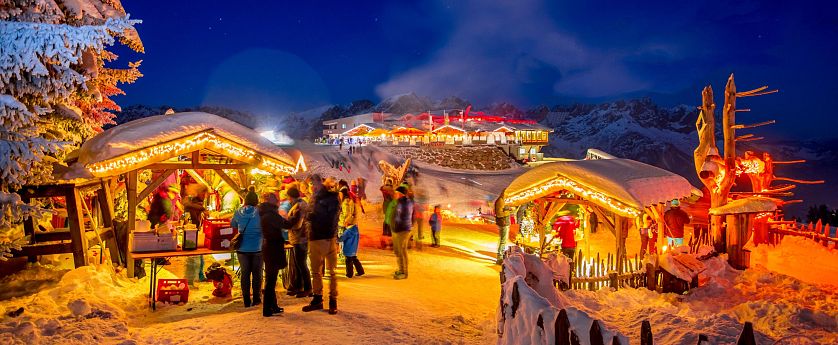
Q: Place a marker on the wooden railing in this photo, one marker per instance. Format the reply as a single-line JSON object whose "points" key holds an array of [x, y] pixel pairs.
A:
{"points": [[815, 232], [594, 274]]}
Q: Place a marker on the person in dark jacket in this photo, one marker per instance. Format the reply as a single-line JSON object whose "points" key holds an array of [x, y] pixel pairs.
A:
{"points": [[402, 223], [322, 244], [273, 250], [674, 220], [246, 220], [435, 222], [298, 236]]}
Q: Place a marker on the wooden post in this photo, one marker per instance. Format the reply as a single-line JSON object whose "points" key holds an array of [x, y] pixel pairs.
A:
{"points": [[105, 199], [131, 193], [562, 328], [737, 235], [596, 334], [76, 218], [651, 282], [29, 227], [747, 336], [646, 333]]}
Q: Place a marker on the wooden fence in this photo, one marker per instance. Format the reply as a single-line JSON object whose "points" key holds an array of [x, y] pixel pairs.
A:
{"points": [[594, 274], [816, 232]]}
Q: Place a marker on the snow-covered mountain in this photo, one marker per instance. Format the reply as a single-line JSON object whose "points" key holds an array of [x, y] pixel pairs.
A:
{"points": [[636, 129]]}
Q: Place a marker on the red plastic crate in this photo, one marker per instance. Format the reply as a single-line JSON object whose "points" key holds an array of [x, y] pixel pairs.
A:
{"points": [[172, 296], [213, 227]]}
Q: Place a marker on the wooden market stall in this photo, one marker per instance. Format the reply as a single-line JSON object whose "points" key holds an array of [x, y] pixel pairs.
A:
{"points": [[170, 143], [620, 187]]}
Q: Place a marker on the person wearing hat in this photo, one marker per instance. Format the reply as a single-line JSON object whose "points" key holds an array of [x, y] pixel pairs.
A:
{"points": [[246, 220], [674, 220], [402, 223], [273, 250], [322, 244]]}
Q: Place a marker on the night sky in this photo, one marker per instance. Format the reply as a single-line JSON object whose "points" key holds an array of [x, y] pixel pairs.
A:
{"points": [[272, 57]]}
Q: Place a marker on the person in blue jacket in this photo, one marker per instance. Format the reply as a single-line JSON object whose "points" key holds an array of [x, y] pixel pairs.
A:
{"points": [[350, 235], [246, 220]]}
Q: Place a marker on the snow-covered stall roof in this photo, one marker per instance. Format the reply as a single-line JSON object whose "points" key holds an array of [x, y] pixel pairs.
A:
{"points": [[754, 204], [156, 138], [622, 185]]}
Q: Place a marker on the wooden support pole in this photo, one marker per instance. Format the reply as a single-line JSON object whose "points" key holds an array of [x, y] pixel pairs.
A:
{"points": [[106, 205], [76, 218], [131, 193], [646, 333]]}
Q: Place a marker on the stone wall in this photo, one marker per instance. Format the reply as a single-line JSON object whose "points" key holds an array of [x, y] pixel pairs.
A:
{"points": [[466, 157]]}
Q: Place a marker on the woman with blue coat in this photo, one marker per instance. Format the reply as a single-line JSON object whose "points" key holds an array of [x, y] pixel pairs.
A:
{"points": [[246, 220]]}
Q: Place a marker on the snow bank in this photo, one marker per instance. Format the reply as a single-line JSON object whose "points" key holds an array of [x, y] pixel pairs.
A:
{"points": [[530, 304], [776, 304], [87, 305], [801, 258]]}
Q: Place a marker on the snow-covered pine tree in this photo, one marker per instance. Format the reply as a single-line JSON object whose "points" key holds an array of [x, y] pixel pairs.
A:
{"points": [[54, 88]]}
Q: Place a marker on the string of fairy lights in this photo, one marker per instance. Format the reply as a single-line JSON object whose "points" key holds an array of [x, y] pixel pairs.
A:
{"points": [[561, 183], [204, 140]]}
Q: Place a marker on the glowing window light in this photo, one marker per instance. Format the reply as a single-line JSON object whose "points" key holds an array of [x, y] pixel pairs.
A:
{"points": [[561, 183], [203, 140]]}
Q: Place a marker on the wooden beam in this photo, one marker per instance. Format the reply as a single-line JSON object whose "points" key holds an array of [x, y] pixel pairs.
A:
{"points": [[196, 166], [230, 182], [196, 157], [605, 219], [131, 192], [61, 234], [75, 216], [43, 249], [753, 125], [153, 185], [45, 191], [243, 177]]}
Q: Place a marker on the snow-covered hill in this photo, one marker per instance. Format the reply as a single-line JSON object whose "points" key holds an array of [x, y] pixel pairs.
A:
{"points": [[636, 129]]}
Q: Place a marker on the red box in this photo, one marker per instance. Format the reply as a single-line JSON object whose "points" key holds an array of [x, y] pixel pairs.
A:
{"points": [[218, 234], [175, 296], [212, 227]]}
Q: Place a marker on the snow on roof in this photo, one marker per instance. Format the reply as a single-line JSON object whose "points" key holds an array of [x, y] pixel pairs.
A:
{"points": [[632, 183], [755, 204], [154, 130]]}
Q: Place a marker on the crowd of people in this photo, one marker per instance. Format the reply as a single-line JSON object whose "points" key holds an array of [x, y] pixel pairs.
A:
{"points": [[319, 219]]}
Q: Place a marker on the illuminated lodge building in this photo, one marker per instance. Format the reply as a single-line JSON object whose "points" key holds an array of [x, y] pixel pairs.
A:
{"points": [[521, 139]]}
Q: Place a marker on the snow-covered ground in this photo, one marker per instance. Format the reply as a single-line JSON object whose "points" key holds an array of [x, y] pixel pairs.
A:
{"points": [[450, 298], [793, 294]]}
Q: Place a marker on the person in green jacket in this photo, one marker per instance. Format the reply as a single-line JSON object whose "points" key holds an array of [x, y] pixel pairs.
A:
{"points": [[389, 208]]}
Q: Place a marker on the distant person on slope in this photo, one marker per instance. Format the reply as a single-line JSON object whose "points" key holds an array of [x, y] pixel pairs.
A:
{"points": [[435, 221], [674, 220]]}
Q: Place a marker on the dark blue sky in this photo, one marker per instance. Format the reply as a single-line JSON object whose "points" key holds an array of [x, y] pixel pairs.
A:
{"points": [[272, 57]]}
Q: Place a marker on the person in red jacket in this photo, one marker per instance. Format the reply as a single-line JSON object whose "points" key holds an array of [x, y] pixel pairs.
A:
{"points": [[674, 220], [566, 226]]}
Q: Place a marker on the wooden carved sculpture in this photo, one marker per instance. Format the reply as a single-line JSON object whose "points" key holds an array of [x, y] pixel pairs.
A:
{"points": [[392, 176]]}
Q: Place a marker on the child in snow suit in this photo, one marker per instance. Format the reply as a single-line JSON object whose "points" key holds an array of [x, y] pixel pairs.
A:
{"points": [[436, 224]]}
